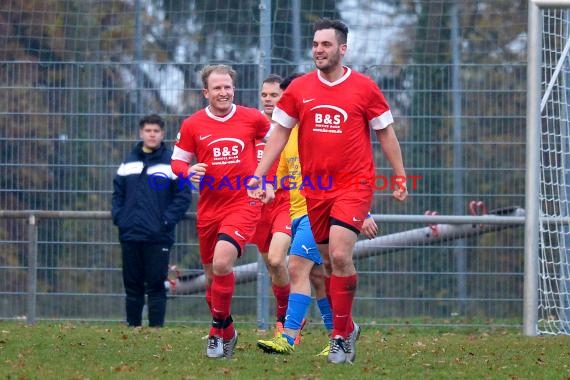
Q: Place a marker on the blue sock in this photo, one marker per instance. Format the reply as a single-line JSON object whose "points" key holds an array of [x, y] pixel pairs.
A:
{"points": [[289, 338], [326, 313], [296, 310]]}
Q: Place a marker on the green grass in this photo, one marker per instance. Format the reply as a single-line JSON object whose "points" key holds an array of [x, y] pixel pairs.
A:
{"points": [[113, 351]]}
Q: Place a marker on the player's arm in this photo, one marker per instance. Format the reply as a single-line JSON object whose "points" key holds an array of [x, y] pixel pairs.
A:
{"points": [[273, 148], [180, 164], [282, 170], [369, 227], [272, 181], [391, 149], [183, 155]]}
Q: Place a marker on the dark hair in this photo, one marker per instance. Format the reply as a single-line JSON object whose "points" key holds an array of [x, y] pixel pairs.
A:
{"points": [[152, 119], [341, 30], [287, 81], [273, 78], [220, 69]]}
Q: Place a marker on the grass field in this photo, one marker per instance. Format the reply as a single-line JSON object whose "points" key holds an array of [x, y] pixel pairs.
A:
{"points": [[113, 351]]}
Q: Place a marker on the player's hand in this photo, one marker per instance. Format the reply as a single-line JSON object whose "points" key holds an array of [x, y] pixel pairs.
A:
{"points": [[401, 194], [196, 172], [254, 189], [269, 194], [369, 228]]}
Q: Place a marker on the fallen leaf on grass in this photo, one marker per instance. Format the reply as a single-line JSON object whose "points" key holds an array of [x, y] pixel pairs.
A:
{"points": [[225, 370], [167, 347], [123, 368]]}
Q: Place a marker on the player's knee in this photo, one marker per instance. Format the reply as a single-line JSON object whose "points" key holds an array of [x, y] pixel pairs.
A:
{"points": [[275, 264], [295, 276], [340, 260], [298, 271], [222, 267]]}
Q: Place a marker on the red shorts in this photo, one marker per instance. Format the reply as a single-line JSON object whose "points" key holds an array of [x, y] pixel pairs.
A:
{"points": [[238, 223], [275, 217], [349, 207]]}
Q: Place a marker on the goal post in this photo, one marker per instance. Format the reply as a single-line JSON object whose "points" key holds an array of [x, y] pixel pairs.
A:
{"points": [[547, 233]]}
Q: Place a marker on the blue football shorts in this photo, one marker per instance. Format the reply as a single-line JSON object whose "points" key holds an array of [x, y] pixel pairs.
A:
{"points": [[303, 242]]}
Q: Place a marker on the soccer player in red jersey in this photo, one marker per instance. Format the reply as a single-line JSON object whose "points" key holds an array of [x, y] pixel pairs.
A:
{"points": [[221, 138], [335, 107], [305, 261], [273, 233]]}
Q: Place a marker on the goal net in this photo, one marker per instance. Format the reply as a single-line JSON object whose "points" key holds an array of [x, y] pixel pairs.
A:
{"points": [[554, 157]]}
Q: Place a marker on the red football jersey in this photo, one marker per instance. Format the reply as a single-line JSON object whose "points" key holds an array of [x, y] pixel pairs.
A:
{"points": [[227, 146], [334, 128], [270, 176], [259, 147]]}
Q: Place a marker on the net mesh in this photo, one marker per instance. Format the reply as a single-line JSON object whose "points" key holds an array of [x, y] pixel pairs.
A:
{"points": [[554, 253]]}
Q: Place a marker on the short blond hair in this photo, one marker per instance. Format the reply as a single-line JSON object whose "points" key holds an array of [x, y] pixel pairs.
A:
{"points": [[219, 69]]}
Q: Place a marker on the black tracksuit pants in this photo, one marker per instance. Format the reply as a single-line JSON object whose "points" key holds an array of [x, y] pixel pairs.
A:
{"points": [[145, 268]]}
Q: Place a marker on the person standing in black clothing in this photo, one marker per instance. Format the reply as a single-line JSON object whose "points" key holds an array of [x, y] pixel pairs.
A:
{"points": [[148, 202]]}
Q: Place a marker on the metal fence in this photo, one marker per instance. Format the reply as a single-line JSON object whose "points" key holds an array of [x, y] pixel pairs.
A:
{"points": [[71, 163], [71, 166]]}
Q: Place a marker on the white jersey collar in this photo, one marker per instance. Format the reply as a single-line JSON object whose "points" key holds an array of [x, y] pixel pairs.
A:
{"points": [[338, 81], [225, 118]]}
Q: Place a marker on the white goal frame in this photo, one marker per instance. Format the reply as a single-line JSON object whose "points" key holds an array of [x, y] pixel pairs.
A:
{"points": [[533, 173]]}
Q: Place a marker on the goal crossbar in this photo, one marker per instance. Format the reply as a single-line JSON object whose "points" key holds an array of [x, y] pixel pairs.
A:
{"points": [[551, 3]]}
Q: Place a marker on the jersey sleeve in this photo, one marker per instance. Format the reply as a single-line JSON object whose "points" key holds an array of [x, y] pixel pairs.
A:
{"points": [[263, 127], [286, 112], [184, 140], [183, 151], [378, 113]]}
